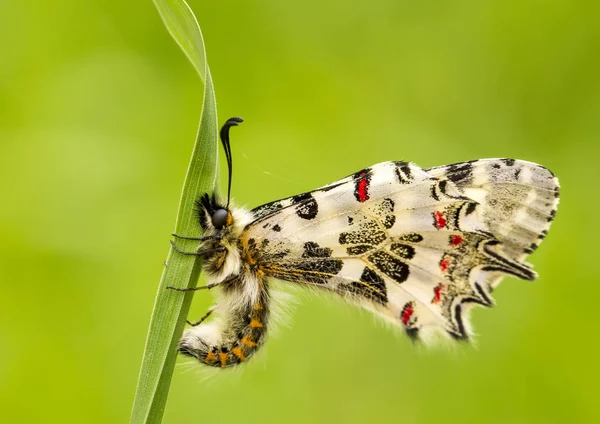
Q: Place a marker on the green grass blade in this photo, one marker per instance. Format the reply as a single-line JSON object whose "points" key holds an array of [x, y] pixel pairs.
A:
{"points": [[171, 308], [185, 30]]}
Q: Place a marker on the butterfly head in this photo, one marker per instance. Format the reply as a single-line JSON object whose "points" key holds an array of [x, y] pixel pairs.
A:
{"points": [[222, 225], [220, 218], [215, 218], [222, 228]]}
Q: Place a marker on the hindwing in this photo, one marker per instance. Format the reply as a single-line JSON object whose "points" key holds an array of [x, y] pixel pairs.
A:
{"points": [[518, 200]]}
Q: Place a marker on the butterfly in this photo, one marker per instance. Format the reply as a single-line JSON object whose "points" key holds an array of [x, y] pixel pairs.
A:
{"points": [[418, 247]]}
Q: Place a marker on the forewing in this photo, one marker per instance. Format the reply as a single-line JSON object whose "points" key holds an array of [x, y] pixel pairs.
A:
{"points": [[392, 237]]}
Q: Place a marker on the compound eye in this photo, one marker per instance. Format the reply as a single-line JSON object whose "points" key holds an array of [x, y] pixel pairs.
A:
{"points": [[219, 218]]}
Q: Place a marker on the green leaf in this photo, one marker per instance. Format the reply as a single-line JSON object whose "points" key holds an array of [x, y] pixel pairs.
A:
{"points": [[170, 307]]}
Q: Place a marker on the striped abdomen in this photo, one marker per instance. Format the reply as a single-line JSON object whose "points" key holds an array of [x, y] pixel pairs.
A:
{"points": [[236, 335]]}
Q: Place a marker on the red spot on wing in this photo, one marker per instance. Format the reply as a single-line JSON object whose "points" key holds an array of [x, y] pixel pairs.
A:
{"points": [[437, 294], [456, 240], [362, 187], [407, 313], [445, 264], [440, 221]]}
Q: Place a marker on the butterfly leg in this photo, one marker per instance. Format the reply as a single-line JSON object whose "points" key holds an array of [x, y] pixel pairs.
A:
{"points": [[193, 238], [200, 253], [206, 315], [206, 287], [188, 289]]}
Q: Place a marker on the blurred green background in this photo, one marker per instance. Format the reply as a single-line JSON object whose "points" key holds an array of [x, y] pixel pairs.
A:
{"points": [[98, 115]]}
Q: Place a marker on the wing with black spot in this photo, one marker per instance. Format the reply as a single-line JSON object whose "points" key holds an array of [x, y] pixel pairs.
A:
{"points": [[518, 199], [416, 246]]}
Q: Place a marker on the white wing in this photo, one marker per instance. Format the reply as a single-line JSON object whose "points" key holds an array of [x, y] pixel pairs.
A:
{"points": [[414, 245], [518, 199]]}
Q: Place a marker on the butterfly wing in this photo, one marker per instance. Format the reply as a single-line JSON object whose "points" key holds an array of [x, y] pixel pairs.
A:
{"points": [[407, 243], [518, 200]]}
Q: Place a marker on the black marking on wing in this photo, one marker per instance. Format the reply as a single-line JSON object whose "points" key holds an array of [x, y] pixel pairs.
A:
{"points": [[486, 299], [263, 211], [411, 237], [306, 206], [389, 221], [279, 255], [433, 192], [403, 250], [386, 210], [358, 250], [371, 286], [470, 208], [462, 332], [276, 228], [461, 173], [403, 173], [389, 265], [301, 198], [313, 250], [456, 216], [369, 233], [505, 265], [387, 205], [443, 188], [311, 271], [412, 333], [267, 209]]}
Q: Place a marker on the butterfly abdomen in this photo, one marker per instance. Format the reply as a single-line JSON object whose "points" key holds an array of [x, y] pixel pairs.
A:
{"points": [[232, 338]]}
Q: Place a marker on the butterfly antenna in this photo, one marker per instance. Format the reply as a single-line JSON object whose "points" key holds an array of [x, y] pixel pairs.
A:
{"points": [[231, 122]]}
